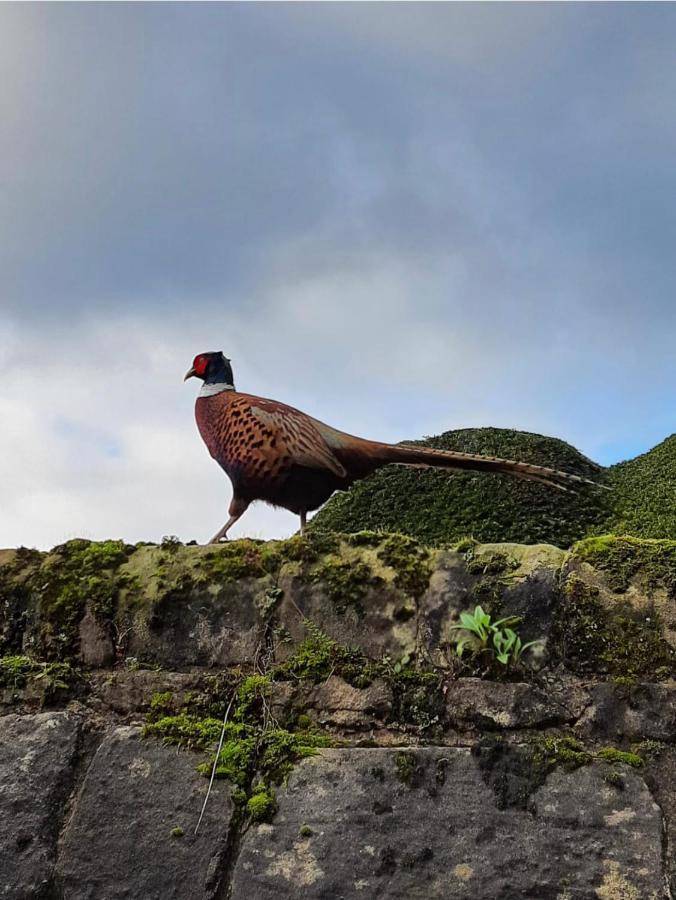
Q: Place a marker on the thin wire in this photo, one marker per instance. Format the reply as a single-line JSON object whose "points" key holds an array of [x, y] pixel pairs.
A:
{"points": [[213, 769]]}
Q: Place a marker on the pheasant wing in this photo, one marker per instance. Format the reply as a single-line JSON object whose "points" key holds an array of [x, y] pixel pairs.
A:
{"points": [[300, 436]]}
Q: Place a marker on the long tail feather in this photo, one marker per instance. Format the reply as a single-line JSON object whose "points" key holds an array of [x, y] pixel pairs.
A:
{"points": [[409, 455]]}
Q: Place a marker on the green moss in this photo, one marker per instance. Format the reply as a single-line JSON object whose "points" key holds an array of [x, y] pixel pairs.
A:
{"points": [[612, 754], [188, 732], [410, 561], [417, 698], [648, 749], [262, 804], [624, 560], [405, 764], [346, 582], [309, 547], [364, 538], [493, 563], [565, 751], [251, 695], [177, 831], [255, 754], [620, 640], [614, 778], [280, 750], [245, 558], [70, 577], [18, 671], [305, 831], [319, 656], [15, 670]]}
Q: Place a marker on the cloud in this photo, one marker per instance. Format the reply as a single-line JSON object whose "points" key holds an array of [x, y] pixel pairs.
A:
{"points": [[402, 219]]}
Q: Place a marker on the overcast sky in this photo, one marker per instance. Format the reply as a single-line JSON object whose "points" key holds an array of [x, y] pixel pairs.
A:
{"points": [[402, 218]]}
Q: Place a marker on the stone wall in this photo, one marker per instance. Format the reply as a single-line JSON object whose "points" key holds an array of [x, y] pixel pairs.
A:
{"points": [[363, 758]]}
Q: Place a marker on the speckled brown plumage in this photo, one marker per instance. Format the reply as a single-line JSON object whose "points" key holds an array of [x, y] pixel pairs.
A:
{"points": [[273, 452]]}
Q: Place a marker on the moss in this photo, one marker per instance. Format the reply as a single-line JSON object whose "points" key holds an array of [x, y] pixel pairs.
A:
{"points": [[254, 754], [72, 576], [319, 656], [54, 677], [494, 563], [405, 764], [161, 705], [612, 754], [185, 731], [364, 538], [624, 560], [514, 772], [309, 547], [15, 670], [614, 778], [465, 545], [251, 695], [648, 749], [177, 831], [622, 640], [417, 698], [346, 582], [280, 750], [305, 831], [262, 804], [565, 751], [235, 560], [410, 561]]}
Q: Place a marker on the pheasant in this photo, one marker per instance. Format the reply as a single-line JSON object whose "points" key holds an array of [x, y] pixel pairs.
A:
{"points": [[273, 452]]}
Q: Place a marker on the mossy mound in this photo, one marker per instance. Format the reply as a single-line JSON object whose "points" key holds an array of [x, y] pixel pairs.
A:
{"points": [[436, 506], [645, 493]]}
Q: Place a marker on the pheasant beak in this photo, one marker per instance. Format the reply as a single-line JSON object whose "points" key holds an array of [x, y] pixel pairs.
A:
{"points": [[189, 374]]}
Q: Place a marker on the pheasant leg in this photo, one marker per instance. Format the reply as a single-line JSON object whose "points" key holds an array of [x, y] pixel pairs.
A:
{"points": [[237, 509]]}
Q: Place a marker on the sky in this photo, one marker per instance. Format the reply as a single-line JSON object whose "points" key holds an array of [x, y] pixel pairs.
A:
{"points": [[400, 218]]}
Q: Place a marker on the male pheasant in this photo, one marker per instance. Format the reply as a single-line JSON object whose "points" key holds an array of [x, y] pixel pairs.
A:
{"points": [[273, 452]]}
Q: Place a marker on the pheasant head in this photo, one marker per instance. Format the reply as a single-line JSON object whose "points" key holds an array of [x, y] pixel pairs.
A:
{"points": [[212, 368]]}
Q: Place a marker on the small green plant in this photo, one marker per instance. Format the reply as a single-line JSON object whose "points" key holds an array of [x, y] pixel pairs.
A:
{"points": [[481, 635]]}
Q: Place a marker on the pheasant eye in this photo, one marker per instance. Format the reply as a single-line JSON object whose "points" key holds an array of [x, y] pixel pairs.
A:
{"points": [[199, 365]]}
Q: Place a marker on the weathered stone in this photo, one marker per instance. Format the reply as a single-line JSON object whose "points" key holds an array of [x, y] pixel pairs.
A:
{"points": [[397, 824], [36, 775], [335, 702], [387, 625], [131, 692], [496, 704], [199, 628], [131, 833], [632, 712], [660, 775], [96, 645]]}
